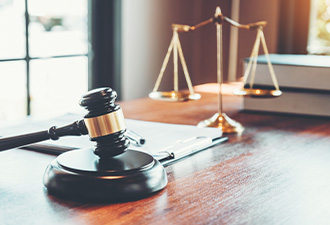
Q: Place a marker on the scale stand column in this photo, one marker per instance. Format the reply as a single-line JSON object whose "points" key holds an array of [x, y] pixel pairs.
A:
{"points": [[220, 119]]}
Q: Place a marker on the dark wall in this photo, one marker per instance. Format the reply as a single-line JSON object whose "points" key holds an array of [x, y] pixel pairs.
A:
{"points": [[293, 26], [204, 62], [204, 40], [258, 10]]}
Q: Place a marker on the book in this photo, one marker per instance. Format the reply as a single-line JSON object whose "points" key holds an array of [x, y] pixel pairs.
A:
{"points": [[303, 79], [315, 103], [294, 71]]}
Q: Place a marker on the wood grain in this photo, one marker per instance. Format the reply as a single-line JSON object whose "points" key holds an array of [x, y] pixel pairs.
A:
{"points": [[276, 172]]}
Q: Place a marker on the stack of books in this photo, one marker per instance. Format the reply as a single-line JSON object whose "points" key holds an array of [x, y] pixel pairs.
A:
{"points": [[303, 79]]}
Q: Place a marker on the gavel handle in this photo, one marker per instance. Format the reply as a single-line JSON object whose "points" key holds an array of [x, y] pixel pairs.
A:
{"points": [[76, 129]]}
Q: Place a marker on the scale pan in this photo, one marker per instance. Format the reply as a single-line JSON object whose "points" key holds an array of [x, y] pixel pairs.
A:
{"points": [[258, 93], [174, 96]]}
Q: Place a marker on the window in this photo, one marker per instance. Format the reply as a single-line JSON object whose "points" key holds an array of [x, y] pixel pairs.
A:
{"points": [[43, 57], [319, 31]]}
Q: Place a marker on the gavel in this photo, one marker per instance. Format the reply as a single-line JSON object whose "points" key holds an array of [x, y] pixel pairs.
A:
{"points": [[110, 171]]}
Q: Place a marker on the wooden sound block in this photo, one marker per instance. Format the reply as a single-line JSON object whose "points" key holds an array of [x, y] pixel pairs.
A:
{"points": [[81, 175]]}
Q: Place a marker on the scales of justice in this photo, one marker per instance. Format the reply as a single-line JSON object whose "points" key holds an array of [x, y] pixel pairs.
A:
{"points": [[220, 119]]}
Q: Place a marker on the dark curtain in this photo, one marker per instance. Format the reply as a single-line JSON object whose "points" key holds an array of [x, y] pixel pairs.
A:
{"points": [[105, 44], [294, 25]]}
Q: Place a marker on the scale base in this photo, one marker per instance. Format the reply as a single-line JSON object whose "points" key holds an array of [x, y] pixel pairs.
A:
{"points": [[258, 93], [222, 122], [80, 175], [174, 96]]}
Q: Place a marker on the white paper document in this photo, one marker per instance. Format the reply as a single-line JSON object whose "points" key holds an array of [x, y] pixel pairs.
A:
{"points": [[162, 140]]}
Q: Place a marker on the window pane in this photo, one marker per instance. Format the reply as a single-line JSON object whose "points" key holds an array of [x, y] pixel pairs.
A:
{"points": [[58, 27], [319, 29], [12, 90], [12, 27], [57, 85]]}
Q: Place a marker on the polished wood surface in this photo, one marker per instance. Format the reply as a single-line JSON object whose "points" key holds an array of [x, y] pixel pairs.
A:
{"points": [[276, 172]]}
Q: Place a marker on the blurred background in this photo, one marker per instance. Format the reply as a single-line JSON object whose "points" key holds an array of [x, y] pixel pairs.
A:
{"points": [[51, 52]]}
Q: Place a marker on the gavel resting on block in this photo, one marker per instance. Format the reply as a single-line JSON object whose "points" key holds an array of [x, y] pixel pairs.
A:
{"points": [[110, 171]]}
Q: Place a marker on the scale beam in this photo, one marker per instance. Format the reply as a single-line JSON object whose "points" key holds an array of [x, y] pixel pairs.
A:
{"points": [[220, 119]]}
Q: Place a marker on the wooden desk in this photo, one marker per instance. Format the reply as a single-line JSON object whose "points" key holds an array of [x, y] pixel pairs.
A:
{"points": [[276, 172]]}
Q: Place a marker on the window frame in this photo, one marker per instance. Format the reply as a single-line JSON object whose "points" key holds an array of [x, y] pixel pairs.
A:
{"points": [[104, 52]]}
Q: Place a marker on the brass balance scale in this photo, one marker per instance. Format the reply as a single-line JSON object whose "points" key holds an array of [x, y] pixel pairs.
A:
{"points": [[220, 119]]}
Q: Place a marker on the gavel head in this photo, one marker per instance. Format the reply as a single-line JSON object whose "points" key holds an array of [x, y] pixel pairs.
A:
{"points": [[105, 122]]}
